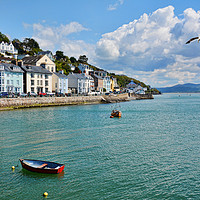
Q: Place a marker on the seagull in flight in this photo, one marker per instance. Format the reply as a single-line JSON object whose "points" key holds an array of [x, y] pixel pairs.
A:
{"points": [[195, 38]]}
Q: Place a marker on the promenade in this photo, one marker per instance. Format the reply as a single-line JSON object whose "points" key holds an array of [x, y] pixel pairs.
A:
{"points": [[31, 102]]}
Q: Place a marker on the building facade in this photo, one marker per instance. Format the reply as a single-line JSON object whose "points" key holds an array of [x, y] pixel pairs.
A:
{"points": [[40, 60], [59, 82], [80, 83], [36, 79], [11, 78], [8, 47]]}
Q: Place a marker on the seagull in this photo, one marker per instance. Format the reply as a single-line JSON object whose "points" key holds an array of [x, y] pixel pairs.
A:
{"points": [[195, 38]]}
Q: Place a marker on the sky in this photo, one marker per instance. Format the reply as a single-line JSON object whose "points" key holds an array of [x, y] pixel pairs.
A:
{"points": [[142, 39]]}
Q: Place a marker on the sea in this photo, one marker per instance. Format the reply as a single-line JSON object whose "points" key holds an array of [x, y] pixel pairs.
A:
{"points": [[151, 152]]}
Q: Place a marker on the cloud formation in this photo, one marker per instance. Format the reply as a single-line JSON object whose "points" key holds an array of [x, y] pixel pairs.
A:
{"points": [[57, 38], [153, 48], [114, 6]]}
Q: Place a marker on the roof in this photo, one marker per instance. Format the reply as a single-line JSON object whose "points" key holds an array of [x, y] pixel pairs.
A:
{"points": [[35, 69], [60, 75], [96, 76], [10, 68], [78, 76], [31, 60]]}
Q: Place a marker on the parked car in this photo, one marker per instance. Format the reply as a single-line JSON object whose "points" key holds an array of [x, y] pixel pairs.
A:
{"points": [[50, 94], [33, 94], [42, 94], [3, 94], [23, 94]]}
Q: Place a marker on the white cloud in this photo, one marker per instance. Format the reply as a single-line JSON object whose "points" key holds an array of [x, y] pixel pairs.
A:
{"points": [[57, 38], [115, 5], [153, 47]]}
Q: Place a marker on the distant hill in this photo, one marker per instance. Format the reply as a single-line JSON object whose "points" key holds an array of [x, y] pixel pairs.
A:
{"points": [[181, 88]]}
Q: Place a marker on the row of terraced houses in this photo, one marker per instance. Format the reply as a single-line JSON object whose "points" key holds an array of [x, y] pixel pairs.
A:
{"points": [[38, 74]]}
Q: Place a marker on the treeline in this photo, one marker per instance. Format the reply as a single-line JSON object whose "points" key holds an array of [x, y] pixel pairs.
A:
{"points": [[31, 47]]}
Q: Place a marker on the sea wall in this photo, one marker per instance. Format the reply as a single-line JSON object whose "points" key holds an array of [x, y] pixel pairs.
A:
{"points": [[47, 101], [15, 103]]}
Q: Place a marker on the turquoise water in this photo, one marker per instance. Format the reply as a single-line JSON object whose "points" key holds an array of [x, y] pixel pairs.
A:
{"points": [[152, 152]]}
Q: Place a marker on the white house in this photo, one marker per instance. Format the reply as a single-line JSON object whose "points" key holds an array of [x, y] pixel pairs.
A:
{"points": [[85, 68], [8, 47], [80, 83], [37, 79]]}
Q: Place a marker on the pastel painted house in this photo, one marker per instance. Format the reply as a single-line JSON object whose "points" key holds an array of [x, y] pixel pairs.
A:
{"points": [[11, 78], [37, 79], [80, 83], [40, 60], [59, 82]]}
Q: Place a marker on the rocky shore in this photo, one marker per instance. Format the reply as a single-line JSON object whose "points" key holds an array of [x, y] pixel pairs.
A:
{"points": [[17, 103]]}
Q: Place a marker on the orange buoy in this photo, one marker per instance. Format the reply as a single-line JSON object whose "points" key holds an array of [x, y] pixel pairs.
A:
{"points": [[111, 116]]}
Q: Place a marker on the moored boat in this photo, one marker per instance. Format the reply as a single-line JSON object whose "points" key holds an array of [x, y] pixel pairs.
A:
{"points": [[116, 113], [42, 166]]}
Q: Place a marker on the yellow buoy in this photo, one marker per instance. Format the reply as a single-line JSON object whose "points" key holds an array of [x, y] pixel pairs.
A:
{"points": [[13, 167], [45, 194]]}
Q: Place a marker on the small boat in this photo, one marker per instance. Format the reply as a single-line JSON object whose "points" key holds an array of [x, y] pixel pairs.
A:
{"points": [[42, 166], [116, 113]]}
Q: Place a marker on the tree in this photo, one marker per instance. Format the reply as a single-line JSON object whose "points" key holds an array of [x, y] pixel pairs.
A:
{"points": [[19, 46], [59, 55], [73, 60], [4, 38], [31, 46], [83, 59]]}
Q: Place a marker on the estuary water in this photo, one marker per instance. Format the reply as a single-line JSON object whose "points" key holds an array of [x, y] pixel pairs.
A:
{"points": [[151, 152]]}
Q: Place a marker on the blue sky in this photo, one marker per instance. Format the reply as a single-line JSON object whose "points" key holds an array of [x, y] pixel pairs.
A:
{"points": [[143, 39]]}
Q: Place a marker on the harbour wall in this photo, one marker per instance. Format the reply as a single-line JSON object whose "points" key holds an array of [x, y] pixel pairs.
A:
{"points": [[30, 102]]}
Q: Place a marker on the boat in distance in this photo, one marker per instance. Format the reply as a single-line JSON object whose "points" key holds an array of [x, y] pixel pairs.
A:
{"points": [[41, 166], [116, 113]]}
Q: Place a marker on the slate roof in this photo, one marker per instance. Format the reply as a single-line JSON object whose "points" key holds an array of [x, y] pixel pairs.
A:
{"points": [[10, 68], [31, 60], [35, 69], [60, 75]]}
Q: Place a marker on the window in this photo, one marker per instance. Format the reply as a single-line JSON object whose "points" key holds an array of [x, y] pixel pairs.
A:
{"points": [[41, 82], [7, 75], [46, 76], [8, 82], [2, 73], [2, 81], [46, 89], [38, 82], [52, 69], [46, 83], [56, 85], [38, 76], [32, 82], [32, 89], [41, 77], [11, 82], [17, 82], [32, 75]]}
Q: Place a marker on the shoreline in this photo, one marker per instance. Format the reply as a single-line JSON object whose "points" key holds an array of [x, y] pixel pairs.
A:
{"points": [[8, 104]]}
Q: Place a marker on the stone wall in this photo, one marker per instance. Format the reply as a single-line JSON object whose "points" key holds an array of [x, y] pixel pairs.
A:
{"points": [[48, 101], [15, 103]]}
